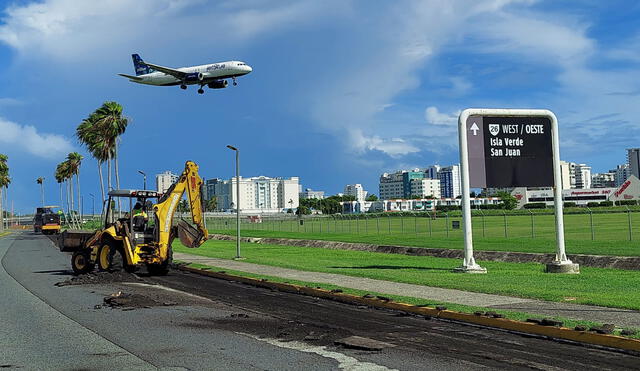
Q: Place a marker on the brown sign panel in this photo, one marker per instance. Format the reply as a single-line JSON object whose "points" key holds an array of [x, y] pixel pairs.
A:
{"points": [[509, 151]]}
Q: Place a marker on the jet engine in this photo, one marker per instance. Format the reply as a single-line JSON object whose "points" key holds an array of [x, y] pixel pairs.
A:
{"points": [[194, 77], [218, 84]]}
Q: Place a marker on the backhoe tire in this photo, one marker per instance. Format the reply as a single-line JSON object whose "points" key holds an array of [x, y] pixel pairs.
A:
{"points": [[110, 257], [81, 262], [163, 268]]}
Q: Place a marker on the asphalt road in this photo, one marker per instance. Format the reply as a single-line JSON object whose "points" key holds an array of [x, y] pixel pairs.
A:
{"points": [[187, 321]]}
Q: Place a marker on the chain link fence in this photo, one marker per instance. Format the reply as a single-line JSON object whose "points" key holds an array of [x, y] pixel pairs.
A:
{"points": [[580, 224]]}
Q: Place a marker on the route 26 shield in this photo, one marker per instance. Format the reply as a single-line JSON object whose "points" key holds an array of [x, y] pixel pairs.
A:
{"points": [[494, 129]]}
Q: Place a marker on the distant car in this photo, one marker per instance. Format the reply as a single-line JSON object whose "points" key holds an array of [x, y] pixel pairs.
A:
{"points": [[46, 221]]}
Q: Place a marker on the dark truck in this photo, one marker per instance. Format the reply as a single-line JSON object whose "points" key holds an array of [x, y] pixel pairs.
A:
{"points": [[46, 221]]}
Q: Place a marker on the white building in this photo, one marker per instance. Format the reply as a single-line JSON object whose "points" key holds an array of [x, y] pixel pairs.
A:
{"points": [[579, 175], [165, 180], [350, 207], [633, 156], [355, 190], [565, 175], [450, 181], [425, 188], [309, 193], [603, 180], [582, 176], [258, 194]]}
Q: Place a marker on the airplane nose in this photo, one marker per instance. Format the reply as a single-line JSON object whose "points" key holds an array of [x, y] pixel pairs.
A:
{"points": [[249, 69]]}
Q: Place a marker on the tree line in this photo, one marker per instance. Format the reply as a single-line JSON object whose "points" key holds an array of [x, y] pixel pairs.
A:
{"points": [[99, 133]]}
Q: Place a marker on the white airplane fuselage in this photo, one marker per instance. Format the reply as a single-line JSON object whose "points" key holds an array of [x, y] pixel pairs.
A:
{"points": [[210, 73]]}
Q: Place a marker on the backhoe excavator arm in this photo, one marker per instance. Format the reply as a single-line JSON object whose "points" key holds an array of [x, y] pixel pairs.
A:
{"points": [[165, 209]]}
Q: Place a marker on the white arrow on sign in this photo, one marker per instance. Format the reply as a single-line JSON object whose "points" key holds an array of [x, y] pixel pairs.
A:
{"points": [[474, 128]]}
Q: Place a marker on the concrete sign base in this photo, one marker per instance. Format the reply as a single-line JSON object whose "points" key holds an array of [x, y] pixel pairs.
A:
{"points": [[563, 267], [476, 269]]}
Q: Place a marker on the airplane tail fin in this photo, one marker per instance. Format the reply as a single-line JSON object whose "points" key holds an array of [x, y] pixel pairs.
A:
{"points": [[140, 67]]}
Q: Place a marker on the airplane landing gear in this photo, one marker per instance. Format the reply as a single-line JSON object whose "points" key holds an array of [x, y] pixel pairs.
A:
{"points": [[183, 87], [200, 91], [234, 81]]}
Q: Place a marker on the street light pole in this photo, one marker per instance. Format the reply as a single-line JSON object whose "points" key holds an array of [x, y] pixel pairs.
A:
{"points": [[93, 205], [144, 179], [237, 199]]}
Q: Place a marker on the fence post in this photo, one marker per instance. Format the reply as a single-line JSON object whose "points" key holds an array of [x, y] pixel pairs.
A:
{"points": [[504, 213], [593, 235], [366, 225], [533, 233], [629, 219], [447, 222]]}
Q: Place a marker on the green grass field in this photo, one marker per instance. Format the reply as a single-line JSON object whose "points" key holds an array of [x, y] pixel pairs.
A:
{"points": [[597, 286], [612, 233]]}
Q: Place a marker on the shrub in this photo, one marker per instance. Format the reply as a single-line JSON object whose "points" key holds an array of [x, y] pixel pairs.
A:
{"points": [[606, 203], [536, 205], [570, 204], [626, 202], [594, 204]]}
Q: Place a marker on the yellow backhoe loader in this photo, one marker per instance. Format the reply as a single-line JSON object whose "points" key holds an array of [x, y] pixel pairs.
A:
{"points": [[136, 238]]}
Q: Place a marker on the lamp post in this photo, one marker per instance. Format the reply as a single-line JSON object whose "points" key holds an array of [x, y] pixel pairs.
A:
{"points": [[237, 199], [144, 179]]}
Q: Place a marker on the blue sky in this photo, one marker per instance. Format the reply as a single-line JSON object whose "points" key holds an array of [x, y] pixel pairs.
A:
{"points": [[341, 90]]}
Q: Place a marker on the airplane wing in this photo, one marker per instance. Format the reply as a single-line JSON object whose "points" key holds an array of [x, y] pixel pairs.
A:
{"points": [[130, 77], [169, 71]]}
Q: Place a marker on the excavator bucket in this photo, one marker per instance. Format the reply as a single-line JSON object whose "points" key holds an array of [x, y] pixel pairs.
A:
{"points": [[189, 235]]}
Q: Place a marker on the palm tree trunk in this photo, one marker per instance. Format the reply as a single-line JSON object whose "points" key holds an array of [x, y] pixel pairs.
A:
{"points": [[61, 199], [67, 197], [101, 186], [109, 174], [42, 192], [79, 195], [115, 159]]}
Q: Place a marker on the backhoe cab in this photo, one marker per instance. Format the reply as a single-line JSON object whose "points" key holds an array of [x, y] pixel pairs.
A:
{"points": [[129, 239]]}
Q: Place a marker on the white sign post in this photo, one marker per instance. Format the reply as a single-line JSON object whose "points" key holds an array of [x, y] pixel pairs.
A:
{"points": [[491, 151]]}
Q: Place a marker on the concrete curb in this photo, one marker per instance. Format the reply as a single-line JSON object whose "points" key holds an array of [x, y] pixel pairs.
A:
{"points": [[596, 261], [611, 341]]}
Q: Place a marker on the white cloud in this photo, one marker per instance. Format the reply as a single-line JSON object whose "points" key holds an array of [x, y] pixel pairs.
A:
{"points": [[27, 138], [394, 147], [70, 30], [435, 117]]}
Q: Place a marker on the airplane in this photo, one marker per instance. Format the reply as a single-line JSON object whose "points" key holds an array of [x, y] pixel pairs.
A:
{"points": [[212, 75]]}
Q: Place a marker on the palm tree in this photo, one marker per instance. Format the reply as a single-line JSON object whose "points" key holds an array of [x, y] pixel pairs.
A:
{"points": [[60, 178], [87, 135], [40, 181], [110, 124], [63, 174], [75, 160], [4, 182]]}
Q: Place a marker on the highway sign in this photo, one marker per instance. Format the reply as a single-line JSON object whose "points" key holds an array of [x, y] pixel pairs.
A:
{"points": [[510, 151]]}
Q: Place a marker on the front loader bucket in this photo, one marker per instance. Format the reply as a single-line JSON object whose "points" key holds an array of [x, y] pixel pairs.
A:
{"points": [[189, 235]]}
